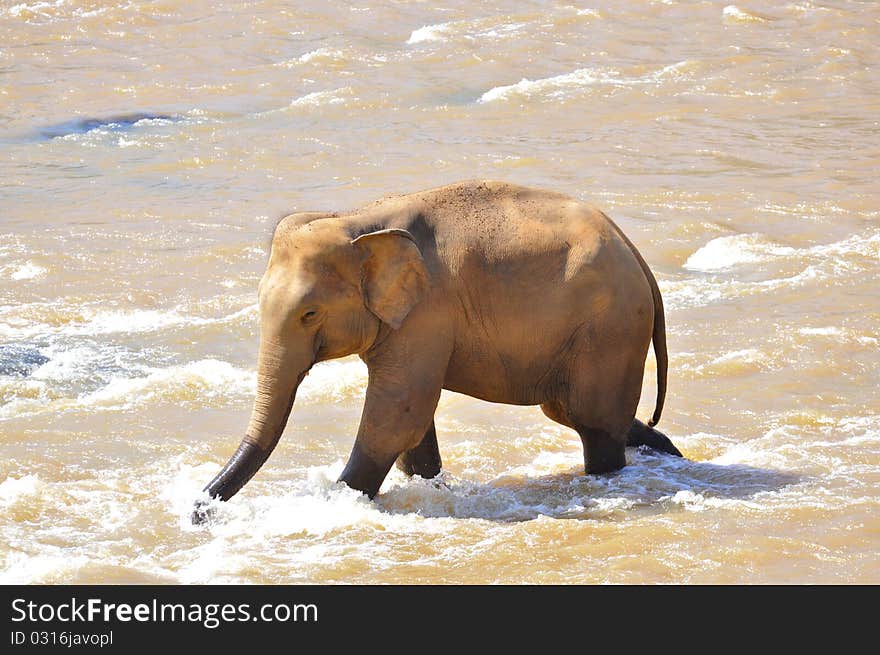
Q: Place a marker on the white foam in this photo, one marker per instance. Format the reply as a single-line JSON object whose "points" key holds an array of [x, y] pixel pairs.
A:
{"points": [[863, 245], [331, 54], [41, 8], [696, 502], [133, 321], [153, 122], [308, 525], [12, 490], [835, 260], [429, 33], [502, 31], [679, 69], [26, 568], [549, 86], [27, 271], [690, 293], [68, 364], [47, 388], [806, 7], [817, 448], [202, 379], [474, 31], [869, 424], [322, 98], [744, 361], [749, 355], [334, 380], [823, 331], [734, 13], [552, 485], [729, 251], [90, 322], [561, 85], [697, 292]]}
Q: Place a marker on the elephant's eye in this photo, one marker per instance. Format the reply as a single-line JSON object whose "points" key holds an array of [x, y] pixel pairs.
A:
{"points": [[309, 316]]}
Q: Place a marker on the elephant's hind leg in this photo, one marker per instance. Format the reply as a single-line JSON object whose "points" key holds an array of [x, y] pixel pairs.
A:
{"points": [[424, 459], [641, 435], [604, 444], [601, 451], [603, 395], [604, 449]]}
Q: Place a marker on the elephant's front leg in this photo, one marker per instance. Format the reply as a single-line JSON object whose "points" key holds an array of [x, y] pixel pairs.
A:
{"points": [[424, 459], [402, 395]]}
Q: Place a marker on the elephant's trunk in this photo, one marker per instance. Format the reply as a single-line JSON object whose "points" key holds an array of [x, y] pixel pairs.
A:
{"points": [[240, 468], [278, 377]]}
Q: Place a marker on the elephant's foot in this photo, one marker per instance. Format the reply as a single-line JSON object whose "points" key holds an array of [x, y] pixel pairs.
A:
{"points": [[602, 453], [363, 473], [424, 459], [641, 435]]}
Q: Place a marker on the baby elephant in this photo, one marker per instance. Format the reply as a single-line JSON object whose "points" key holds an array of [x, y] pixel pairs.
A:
{"points": [[505, 293]]}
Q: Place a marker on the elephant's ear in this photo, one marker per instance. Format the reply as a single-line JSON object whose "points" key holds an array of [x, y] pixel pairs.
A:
{"points": [[394, 274]]}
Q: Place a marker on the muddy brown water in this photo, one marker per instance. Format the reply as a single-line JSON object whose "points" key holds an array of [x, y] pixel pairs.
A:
{"points": [[149, 147]]}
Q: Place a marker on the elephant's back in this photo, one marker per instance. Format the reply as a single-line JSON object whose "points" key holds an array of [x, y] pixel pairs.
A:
{"points": [[507, 228], [518, 244], [526, 271]]}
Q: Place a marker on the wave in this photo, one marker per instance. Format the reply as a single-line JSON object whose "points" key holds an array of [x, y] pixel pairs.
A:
{"points": [[725, 259], [314, 525], [552, 487], [20, 360], [14, 490], [322, 98], [478, 30], [47, 10], [204, 381], [27, 271], [560, 86], [839, 334], [147, 320], [737, 15], [551, 86], [322, 55], [334, 380], [200, 381], [730, 364], [430, 33], [726, 252], [730, 251], [755, 475], [109, 123], [334, 58], [52, 386], [123, 131], [30, 10], [694, 292], [86, 321]]}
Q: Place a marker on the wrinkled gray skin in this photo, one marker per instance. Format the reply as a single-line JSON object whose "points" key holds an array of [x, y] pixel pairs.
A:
{"points": [[505, 293]]}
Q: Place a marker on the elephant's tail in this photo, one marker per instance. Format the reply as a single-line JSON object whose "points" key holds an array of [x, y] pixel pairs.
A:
{"points": [[659, 339], [659, 335]]}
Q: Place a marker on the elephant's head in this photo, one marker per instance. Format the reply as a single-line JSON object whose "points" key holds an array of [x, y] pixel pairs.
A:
{"points": [[325, 294]]}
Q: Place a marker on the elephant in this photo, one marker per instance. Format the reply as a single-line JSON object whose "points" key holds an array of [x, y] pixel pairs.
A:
{"points": [[506, 293]]}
